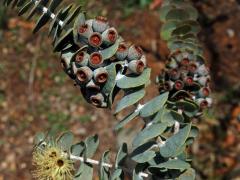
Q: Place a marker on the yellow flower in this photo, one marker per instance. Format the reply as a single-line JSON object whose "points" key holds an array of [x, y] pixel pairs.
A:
{"points": [[52, 164]]}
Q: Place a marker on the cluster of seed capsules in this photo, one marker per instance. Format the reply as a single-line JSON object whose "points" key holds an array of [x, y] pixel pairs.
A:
{"points": [[186, 76], [101, 47]]}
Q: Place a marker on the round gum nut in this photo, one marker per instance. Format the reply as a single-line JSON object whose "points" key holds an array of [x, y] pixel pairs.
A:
{"points": [[65, 63], [174, 74], [95, 39], [110, 36], [101, 75], [85, 30], [97, 100], [179, 85], [82, 58], [100, 24], [204, 80], [185, 62], [202, 70], [84, 74], [95, 60], [134, 52], [144, 60], [136, 66], [122, 51], [203, 103], [204, 92], [188, 80], [192, 68], [168, 85]]}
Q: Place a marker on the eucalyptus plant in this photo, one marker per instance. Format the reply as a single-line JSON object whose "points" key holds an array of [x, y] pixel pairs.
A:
{"points": [[102, 64]]}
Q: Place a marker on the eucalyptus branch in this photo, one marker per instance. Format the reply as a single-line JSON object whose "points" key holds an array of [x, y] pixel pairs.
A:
{"points": [[101, 63], [95, 162]]}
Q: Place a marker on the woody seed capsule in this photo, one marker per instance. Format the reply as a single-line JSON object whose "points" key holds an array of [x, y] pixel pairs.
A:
{"points": [[204, 92], [84, 74], [204, 80], [122, 51], [134, 52], [96, 59], [136, 66], [82, 58], [202, 70], [86, 30], [188, 80], [100, 24], [203, 103], [174, 74], [97, 100], [178, 85], [95, 39], [110, 36], [168, 85], [100, 75]]}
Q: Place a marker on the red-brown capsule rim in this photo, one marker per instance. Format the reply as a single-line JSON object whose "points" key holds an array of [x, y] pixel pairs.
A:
{"points": [[140, 66], [101, 19], [79, 57], [178, 85], [112, 35], [189, 80], [96, 58], [83, 28], [81, 75], [204, 104], [95, 40], [206, 91], [185, 62], [102, 78], [95, 101]]}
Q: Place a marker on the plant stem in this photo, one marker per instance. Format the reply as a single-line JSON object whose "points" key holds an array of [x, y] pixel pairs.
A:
{"points": [[95, 162]]}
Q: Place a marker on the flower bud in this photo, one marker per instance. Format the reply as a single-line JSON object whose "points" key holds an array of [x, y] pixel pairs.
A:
{"points": [[97, 100], [101, 75], [178, 85], [84, 74], [174, 74], [134, 52], [136, 66], [96, 59], [85, 30], [202, 70], [110, 36], [95, 39], [122, 51], [204, 92], [100, 24], [82, 58]]}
